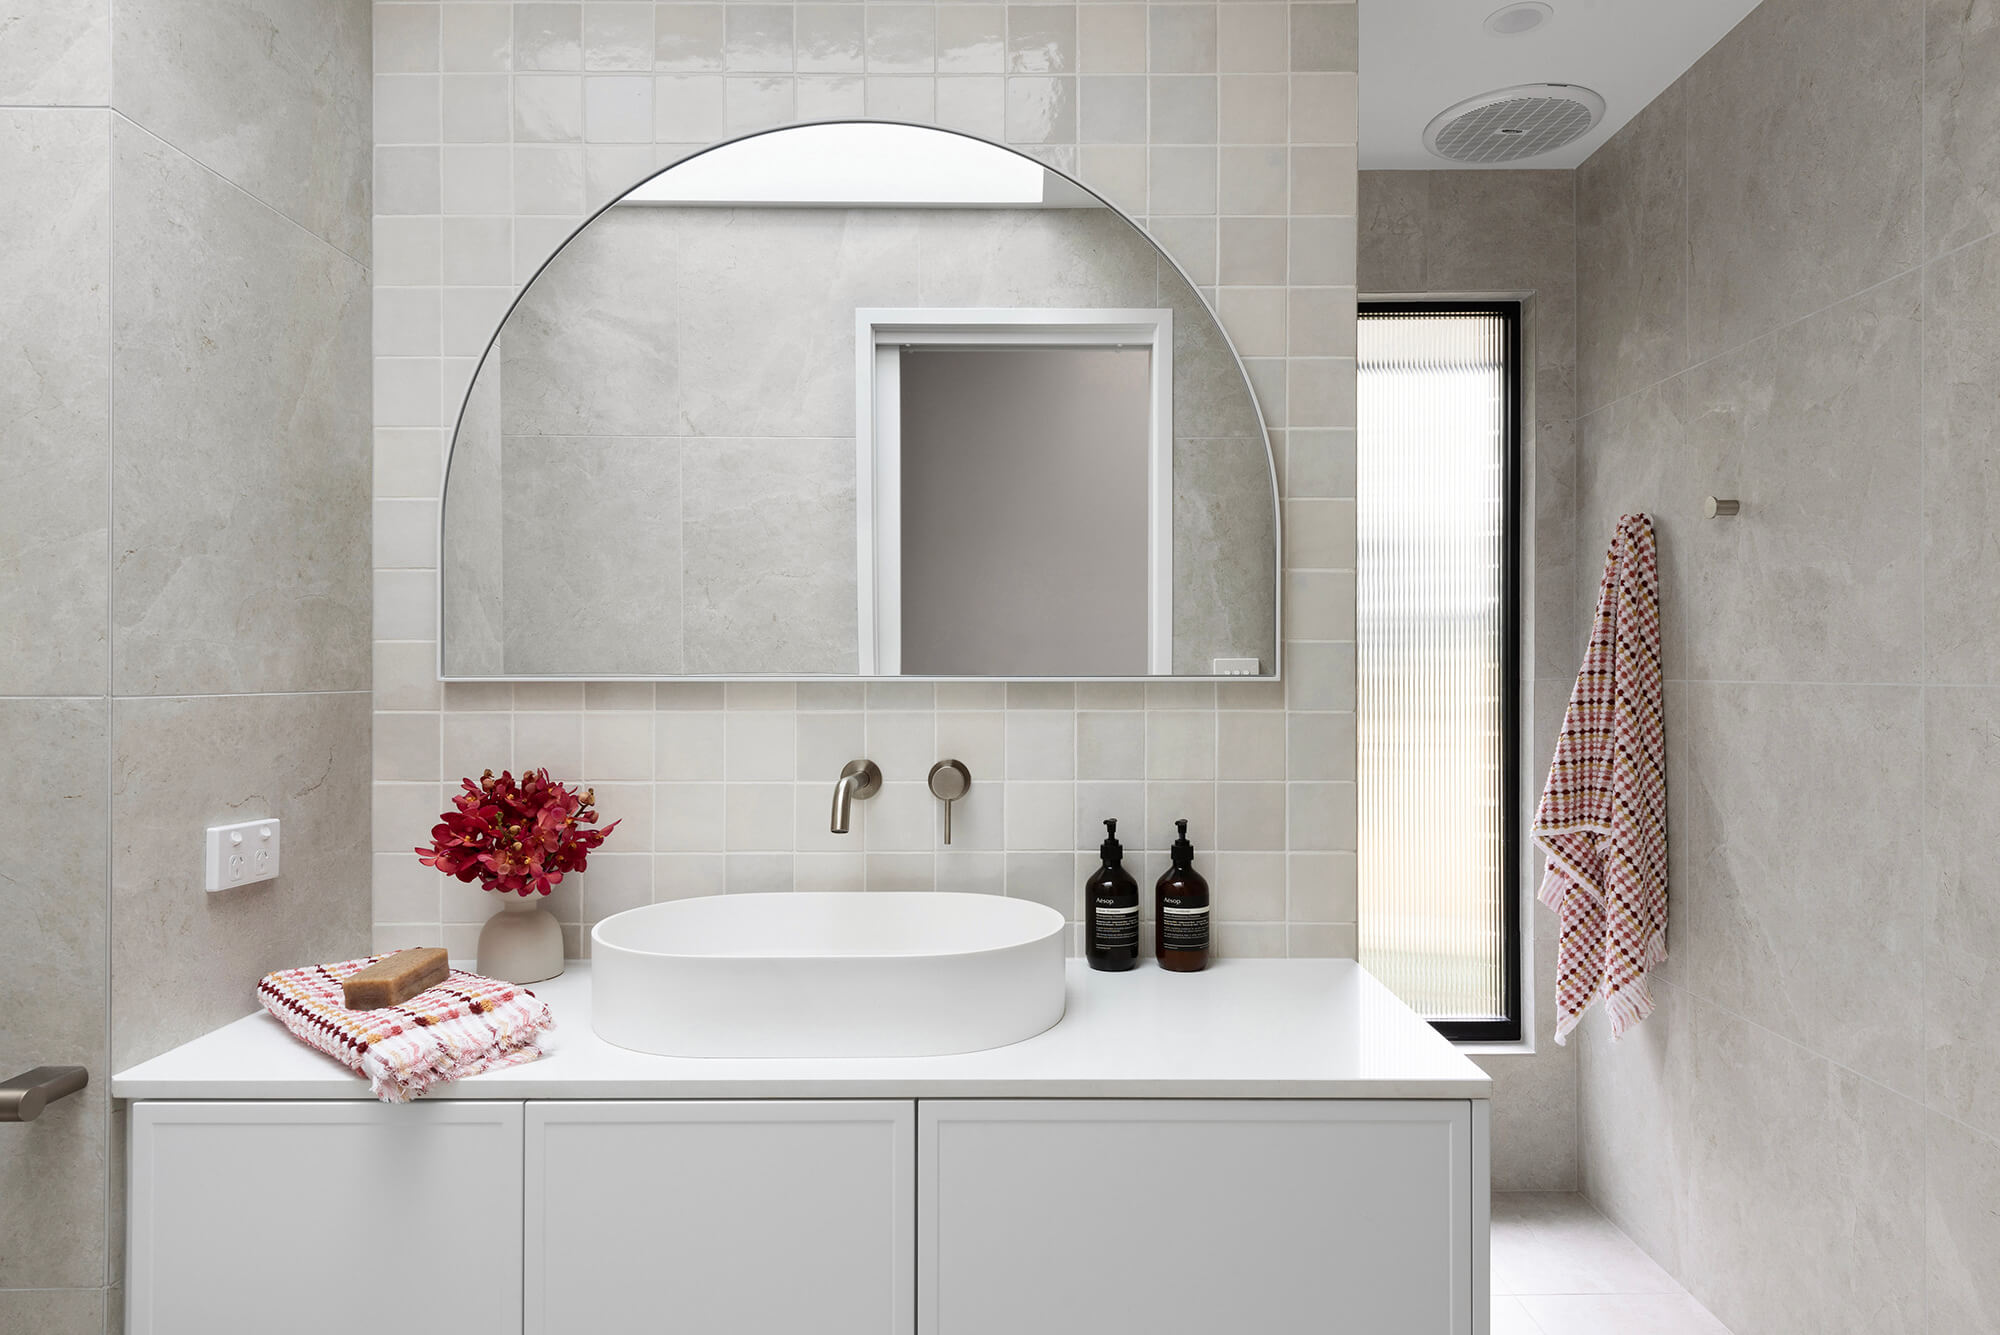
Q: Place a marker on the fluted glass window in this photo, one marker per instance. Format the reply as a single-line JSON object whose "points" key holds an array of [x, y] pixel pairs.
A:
{"points": [[1436, 634]]}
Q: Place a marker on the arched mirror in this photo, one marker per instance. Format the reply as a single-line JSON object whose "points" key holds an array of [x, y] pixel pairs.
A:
{"points": [[859, 399]]}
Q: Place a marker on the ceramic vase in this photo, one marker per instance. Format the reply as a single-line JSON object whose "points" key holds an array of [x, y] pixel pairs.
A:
{"points": [[522, 943]]}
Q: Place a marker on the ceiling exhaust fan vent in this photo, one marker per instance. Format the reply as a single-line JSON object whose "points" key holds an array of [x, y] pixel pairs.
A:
{"points": [[1514, 123]]}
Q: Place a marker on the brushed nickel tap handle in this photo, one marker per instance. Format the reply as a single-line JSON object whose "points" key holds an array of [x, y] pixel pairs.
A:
{"points": [[949, 781]]}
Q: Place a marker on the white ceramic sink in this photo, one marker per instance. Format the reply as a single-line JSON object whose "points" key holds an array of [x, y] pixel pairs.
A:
{"points": [[827, 975]]}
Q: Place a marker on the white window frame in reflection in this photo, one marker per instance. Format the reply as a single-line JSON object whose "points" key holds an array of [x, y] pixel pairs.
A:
{"points": [[879, 337]]}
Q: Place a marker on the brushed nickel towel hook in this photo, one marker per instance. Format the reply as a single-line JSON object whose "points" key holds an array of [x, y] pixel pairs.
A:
{"points": [[1716, 508]]}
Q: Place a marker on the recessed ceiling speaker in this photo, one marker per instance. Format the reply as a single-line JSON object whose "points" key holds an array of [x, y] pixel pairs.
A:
{"points": [[1514, 123], [1517, 19]]}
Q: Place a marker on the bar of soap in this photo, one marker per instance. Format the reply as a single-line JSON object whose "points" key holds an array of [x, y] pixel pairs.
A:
{"points": [[394, 979]]}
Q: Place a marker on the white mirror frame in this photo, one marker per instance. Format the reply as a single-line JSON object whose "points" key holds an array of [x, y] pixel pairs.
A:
{"points": [[880, 335]]}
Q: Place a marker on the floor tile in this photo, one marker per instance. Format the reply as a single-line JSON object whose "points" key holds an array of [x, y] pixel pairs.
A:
{"points": [[1555, 1243], [1510, 1318], [1625, 1314]]}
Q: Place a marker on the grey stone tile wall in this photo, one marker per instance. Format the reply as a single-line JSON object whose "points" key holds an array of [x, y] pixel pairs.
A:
{"points": [[184, 597], [1786, 279]]}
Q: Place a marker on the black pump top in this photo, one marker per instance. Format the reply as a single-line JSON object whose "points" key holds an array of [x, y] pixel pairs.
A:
{"points": [[1111, 850], [1182, 851]]}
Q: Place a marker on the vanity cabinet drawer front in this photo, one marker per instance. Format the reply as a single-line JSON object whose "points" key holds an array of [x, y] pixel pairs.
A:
{"points": [[720, 1218], [1174, 1217], [314, 1217]]}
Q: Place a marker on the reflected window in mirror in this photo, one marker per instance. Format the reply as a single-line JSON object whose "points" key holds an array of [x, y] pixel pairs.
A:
{"points": [[1438, 631]]}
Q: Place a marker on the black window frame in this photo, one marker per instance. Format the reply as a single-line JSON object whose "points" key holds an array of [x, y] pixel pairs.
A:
{"points": [[1508, 1028]]}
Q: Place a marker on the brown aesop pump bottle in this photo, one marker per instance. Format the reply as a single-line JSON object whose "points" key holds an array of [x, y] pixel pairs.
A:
{"points": [[1111, 910], [1180, 911]]}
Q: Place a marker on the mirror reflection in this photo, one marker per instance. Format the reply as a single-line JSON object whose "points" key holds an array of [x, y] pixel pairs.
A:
{"points": [[859, 399]]}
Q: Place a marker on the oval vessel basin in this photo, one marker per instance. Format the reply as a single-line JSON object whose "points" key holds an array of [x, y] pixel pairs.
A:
{"points": [[827, 975]]}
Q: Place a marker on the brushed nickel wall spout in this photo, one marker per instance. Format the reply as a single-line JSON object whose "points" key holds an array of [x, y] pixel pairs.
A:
{"points": [[858, 779]]}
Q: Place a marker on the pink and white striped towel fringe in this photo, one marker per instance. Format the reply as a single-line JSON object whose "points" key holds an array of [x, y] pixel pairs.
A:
{"points": [[1603, 816]]}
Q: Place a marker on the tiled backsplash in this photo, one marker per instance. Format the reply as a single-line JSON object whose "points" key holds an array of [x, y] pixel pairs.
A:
{"points": [[1227, 129]]}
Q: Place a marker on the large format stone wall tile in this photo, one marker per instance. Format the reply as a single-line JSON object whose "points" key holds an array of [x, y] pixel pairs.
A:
{"points": [[1962, 1229], [1961, 466], [769, 581], [1962, 951], [1511, 231], [1535, 1098], [1225, 554], [1637, 1140], [1800, 815], [183, 960], [590, 555], [767, 314], [474, 604], [56, 1311], [591, 350], [1961, 107], [271, 94], [55, 53], [52, 990], [240, 446], [1804, 1184], [1556, 557], [1821, 580], [1030, 257], [55, 322], [1633, 457], [1804, 163], [1395, 229], [1632, 255]]}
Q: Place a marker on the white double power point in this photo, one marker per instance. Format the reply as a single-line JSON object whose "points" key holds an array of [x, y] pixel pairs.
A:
{"points": [[242, 853]]}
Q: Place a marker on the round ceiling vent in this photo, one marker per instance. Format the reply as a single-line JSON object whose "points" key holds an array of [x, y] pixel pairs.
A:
{"points": [[1514, 123]]}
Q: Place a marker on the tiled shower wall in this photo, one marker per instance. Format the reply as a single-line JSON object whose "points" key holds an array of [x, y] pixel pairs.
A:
{"points": [[1788, 280], [1227, 128], [183, 557]]}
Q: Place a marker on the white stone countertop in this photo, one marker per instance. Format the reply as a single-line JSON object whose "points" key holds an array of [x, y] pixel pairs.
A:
{"points": [[1308, 1029]]}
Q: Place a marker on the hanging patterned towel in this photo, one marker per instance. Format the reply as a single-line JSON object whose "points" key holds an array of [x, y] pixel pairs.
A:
{"points": [[1603, 816], [464, 1025]]}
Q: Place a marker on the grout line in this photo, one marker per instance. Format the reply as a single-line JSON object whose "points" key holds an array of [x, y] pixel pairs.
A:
{"points": [[366, 268], [1924, 981], [110, 641]]}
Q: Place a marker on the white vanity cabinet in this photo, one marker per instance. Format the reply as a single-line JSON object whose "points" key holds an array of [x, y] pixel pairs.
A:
{"points": [[1271, 1147], [839, 1216], [781, 1216], [1187, 1217], [319, 1218]]}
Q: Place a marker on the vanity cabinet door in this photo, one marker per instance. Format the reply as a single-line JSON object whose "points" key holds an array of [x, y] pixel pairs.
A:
{"points": [[1175, 1217], [322, 1218], [721, 1218]]}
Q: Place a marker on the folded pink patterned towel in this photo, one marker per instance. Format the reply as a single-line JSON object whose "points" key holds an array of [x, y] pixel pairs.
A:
{"points": [[464, 1025]]}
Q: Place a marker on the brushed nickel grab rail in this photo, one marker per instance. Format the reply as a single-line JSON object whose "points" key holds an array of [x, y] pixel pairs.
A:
{"points": [[23, 1098]]}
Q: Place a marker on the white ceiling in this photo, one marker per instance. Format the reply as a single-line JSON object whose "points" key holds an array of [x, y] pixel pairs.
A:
{"points": [[1420, 56]]}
